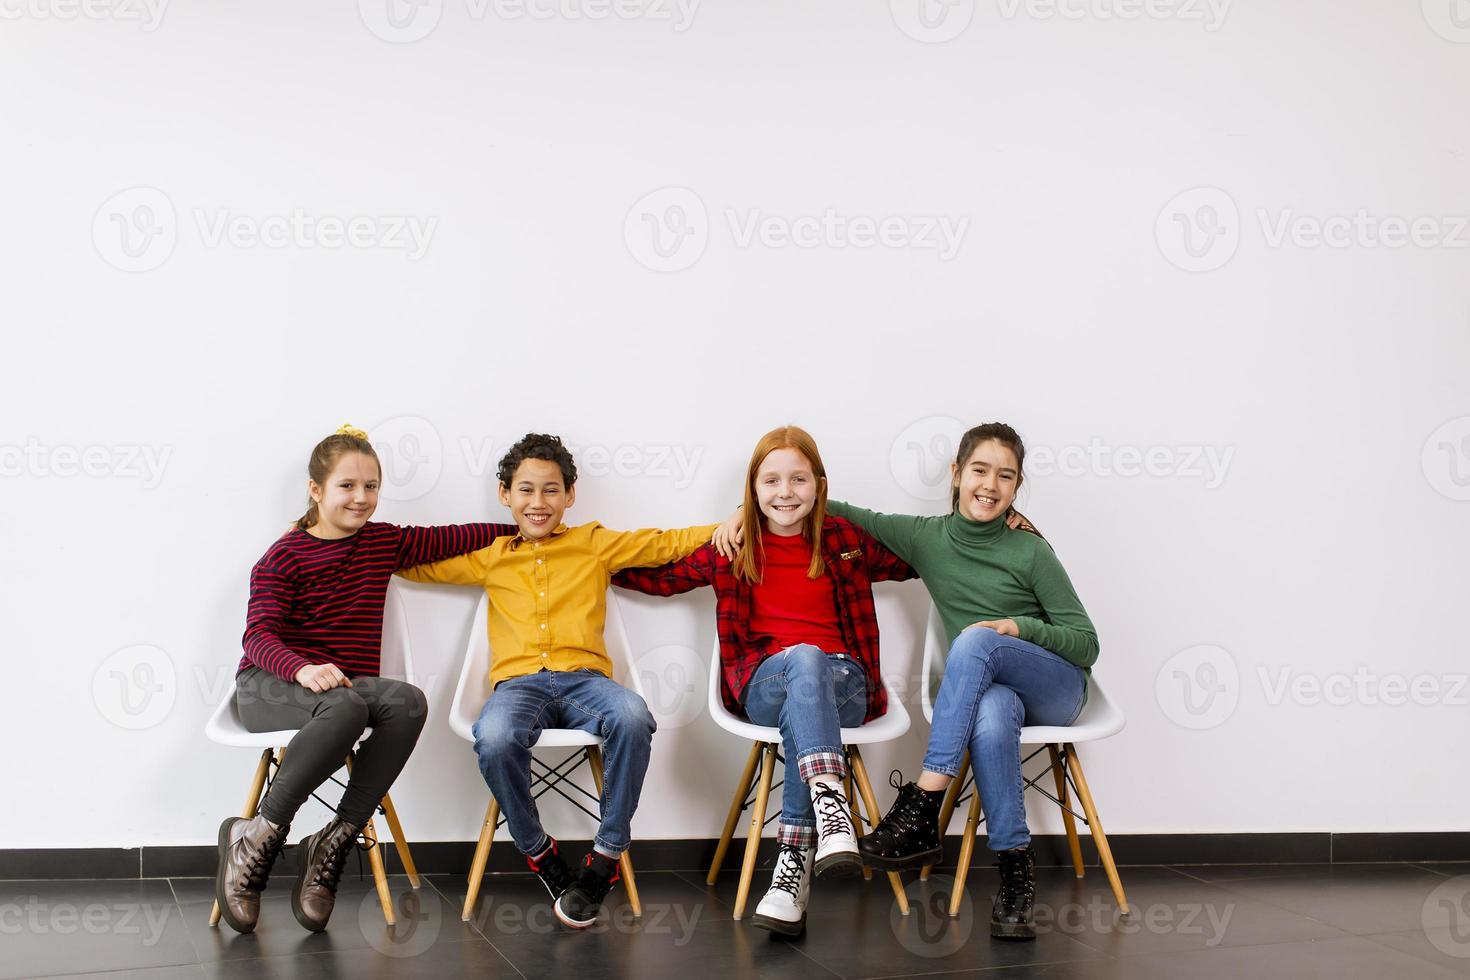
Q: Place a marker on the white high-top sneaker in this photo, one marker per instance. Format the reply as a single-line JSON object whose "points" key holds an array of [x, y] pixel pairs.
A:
{"points": [[837, 849], [783, 909]]}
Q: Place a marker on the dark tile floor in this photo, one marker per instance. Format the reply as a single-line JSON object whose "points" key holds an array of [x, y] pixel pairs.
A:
{"points": [[1398, 921]]}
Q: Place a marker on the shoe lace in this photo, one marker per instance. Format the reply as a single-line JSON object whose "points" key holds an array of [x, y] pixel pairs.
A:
{"points": [[594, 883], [552, 869], [338, 843], [1015, 884], [790, 869], [908, 809], [259, 859], [832, 810]]}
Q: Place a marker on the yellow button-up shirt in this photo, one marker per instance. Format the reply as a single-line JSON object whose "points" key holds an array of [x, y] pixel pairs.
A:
{"points": [[548, 598]]}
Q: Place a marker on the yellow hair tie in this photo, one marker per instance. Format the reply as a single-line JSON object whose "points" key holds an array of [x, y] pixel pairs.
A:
{"points": [[355, 433]]}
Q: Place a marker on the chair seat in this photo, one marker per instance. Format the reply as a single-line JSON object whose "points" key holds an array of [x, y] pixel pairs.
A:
{"points": [[550, 738], [890, 725]]}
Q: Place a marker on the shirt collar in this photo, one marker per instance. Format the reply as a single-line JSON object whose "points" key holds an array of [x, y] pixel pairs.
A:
{"points": [[520, 538]]}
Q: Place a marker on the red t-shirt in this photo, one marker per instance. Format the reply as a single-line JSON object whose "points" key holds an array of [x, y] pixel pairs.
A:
{"points": [[789, 606]]}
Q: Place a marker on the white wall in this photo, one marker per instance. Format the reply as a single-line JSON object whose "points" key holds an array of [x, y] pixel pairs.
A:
{"points": [[1330, 539]]}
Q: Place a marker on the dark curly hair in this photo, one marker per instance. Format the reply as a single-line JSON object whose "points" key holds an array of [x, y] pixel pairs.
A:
{"points": [[536, 445]]}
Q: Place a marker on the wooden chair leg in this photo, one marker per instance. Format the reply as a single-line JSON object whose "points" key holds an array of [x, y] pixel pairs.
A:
{"points": [[946, 809], [252, 804], [860, 773], [625, 863], [857, 816], [1058, 772], [380, 874], [742, 790], [1099, 838], [967, 853], [757, 824], [482, 855], [400, 842]]}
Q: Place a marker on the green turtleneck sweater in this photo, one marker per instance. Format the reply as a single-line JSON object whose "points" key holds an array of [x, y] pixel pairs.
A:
{"points": [[978, 570]]}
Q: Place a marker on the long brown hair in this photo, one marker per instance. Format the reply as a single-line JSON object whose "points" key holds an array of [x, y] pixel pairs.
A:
{"points": [[752, 555], [324, 457], [1001, 433]]}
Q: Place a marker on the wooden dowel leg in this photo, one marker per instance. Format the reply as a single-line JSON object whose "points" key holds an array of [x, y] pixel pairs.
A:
{"points": [[400, 842], [946, 809], [857, 816], [380, 874], [967, 852], [482, 855], [757, 824], [1100, 839], [1058, 772], [252, 805], [625, 863], [860, 773], [742, 790]]}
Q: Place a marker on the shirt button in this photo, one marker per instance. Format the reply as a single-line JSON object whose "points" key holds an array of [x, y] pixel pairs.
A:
{"points": [[541, 593], [543, 625], [538, 561]]}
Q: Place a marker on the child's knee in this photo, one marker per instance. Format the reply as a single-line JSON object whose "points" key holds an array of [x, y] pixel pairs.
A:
{"points": [[630, 719]]}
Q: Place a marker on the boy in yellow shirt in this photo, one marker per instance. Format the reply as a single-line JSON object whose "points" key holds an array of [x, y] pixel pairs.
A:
{"points": [[549, 668]]}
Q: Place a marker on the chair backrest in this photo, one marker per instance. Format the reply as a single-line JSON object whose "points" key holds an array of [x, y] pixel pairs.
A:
{"points": [[936, 650], [473, 689], [397, 651]]}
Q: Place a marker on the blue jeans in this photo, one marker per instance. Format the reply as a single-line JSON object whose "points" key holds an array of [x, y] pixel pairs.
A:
{"points": [[512, 720], [810, 696], [994, 684]]}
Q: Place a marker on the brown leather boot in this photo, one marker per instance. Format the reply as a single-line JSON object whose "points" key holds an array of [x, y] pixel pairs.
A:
{"points": [[322, 857], [247, 849]]}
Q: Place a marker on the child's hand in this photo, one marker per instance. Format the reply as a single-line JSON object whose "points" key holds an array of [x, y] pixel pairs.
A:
{"points": [[1005, 627], [321, 678], [729, 536], [1016, 521]]}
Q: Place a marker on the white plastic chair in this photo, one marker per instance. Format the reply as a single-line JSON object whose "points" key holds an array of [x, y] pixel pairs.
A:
{"points": [[470, 696], [1099, 719], [766, 742], [225, 728]]}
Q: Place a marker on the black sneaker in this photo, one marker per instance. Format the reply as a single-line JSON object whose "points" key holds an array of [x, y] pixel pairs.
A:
{"points": [[908, 837], [578, 905], [1012, 914], [552, 870]]}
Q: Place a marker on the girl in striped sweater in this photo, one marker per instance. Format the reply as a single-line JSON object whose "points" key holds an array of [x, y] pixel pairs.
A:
{"points": [[312, 642]]}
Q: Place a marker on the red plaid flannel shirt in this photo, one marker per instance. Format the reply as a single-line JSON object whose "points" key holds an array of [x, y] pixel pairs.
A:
{"points": [[854, 561]]}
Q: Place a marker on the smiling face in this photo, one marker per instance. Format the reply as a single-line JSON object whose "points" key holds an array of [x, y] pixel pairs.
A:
{"points": [[786, 490], [537, 497], [988, 481], [346, 501]]}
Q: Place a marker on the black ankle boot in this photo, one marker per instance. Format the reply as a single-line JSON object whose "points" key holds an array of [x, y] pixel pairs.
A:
{"points": [[1013, 913], [908, 837]]}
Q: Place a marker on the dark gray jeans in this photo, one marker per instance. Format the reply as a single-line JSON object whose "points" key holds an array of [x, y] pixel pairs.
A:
{"points": [[330, 723]]}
